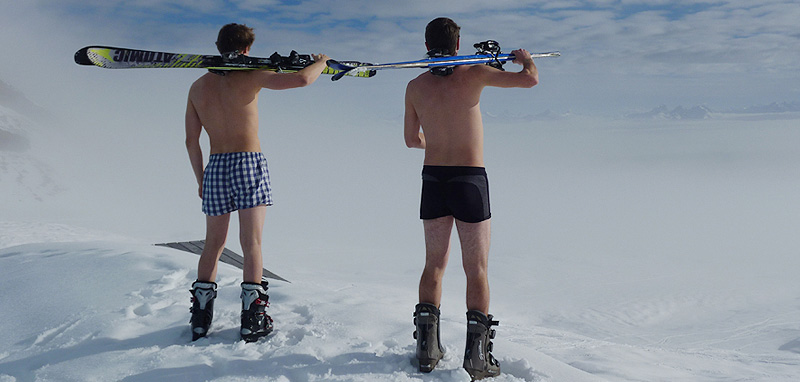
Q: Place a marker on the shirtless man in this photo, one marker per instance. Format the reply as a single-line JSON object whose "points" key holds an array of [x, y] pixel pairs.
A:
{"points": [[236, 176], [455, 189]]}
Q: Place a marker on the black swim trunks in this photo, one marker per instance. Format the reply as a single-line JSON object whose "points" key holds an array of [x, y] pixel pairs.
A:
{"points": [[458, 191]]}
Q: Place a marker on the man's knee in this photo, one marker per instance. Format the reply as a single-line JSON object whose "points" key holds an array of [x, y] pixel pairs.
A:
{"points": [[250, 241], [476, 271], [435, 267], [215, 243]]}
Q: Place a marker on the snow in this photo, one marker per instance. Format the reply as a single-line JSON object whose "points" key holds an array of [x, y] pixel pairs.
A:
{"points": [[658, 250], [131, 318]]}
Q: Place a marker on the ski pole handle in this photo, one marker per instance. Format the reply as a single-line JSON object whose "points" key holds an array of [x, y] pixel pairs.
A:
{"points": [[539, 55]]}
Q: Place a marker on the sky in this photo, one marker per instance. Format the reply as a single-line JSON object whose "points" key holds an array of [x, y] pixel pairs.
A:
{"points": [[589, 203], [618, 56]]}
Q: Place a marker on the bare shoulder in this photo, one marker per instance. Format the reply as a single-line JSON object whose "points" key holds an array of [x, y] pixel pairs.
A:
{"points": [[199, 83], [195, 89], [418, 80], [259, 74], [482, 71], [416, 84], [490, 76]]}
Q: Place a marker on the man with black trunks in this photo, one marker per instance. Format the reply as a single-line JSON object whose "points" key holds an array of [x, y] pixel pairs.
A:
{"points": [[445, 105]]}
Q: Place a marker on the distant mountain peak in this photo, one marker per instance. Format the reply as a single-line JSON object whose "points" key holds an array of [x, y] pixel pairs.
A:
{"points": [[678, 113], [15, 100]]}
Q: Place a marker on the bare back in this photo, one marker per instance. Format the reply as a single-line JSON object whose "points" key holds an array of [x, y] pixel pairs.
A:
{"points": [[447, 109], [227, 107]]}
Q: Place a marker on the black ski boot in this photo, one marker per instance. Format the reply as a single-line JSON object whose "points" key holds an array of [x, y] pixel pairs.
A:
{"points": [[255, 321], [203, 295], [478, 359], [429, 346]]}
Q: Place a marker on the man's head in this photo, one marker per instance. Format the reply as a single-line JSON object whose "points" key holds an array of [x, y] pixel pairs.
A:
{"points": [[235, 37], [443, 33]]}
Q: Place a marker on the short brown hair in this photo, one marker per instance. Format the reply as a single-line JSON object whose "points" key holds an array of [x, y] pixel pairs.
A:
{"points": [[443, 33], [235, 37]]}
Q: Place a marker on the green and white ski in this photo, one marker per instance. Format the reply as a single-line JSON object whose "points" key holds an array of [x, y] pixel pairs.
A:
{"points": [[123, 58]]}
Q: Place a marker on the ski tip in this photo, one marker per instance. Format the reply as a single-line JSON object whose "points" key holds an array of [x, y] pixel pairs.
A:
{"points": [[82, 57], [547, 54], [339, 75], [336, 65], [341, 69], [349, 68], [551, 54]]}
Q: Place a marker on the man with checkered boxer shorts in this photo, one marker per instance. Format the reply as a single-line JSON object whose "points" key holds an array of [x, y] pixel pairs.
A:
{"points": [[236, 176]]}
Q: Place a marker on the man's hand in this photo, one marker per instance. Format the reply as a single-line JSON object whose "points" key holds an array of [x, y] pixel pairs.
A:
{"points": [[320, 57], [521, 56]]}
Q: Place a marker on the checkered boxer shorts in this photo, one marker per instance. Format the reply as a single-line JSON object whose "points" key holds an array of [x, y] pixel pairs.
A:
{"points": [[235, 181]]}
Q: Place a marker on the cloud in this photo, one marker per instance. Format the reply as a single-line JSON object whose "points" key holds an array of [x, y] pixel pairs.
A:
{"points": [[652, 37], [670, 47]]}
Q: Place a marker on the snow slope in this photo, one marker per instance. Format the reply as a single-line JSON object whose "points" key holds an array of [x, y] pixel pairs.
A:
{"points": [[105, 311], [622, 250]]}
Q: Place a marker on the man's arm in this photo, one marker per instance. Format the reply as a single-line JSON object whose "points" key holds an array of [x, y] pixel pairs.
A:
{"points": [[193, 130], [527, 77], [299, 79], [413, 136]]}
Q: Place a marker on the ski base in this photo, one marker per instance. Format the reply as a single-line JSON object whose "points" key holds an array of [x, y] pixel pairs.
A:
{"points": [[109, 57]]}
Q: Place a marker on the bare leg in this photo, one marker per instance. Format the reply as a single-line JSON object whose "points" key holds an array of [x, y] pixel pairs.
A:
{"points": [[251, 227], [475, 239], [437, 250], [216, 234]]}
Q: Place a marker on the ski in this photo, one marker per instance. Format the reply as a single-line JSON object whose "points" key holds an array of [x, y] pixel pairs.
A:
{"points": [[123, 58], [488, 53]]}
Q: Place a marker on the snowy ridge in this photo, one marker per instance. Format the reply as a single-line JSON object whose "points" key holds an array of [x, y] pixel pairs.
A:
{"points": [[14, 99], [132, 320], [13, 136], [678, 113], [129, 323], [775, 107], [622, 250], [24, 175], [775, 110]]}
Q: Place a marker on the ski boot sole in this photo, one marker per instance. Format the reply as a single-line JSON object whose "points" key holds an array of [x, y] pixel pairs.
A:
{"points": [[476, 374], [254, 337]]}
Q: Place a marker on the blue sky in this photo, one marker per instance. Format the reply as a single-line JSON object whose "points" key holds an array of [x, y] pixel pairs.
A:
{"points": [[618, 56]]}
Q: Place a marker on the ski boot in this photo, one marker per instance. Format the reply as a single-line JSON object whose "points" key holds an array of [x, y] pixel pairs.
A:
{"points": [[478, 359], [255, 321], [203, 295], [429, 346]]}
